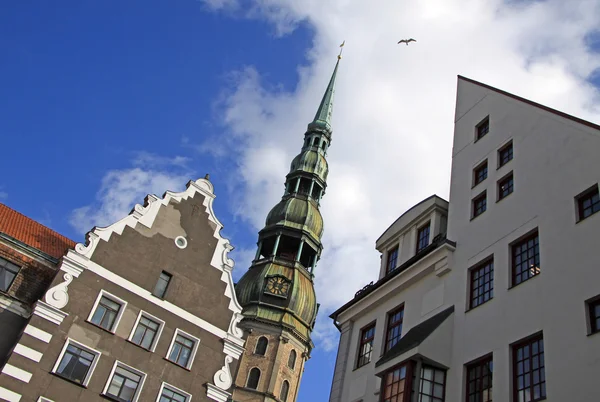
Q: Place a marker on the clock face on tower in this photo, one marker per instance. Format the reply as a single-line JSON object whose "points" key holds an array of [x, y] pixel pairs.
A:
{"points": [[277, 285]]}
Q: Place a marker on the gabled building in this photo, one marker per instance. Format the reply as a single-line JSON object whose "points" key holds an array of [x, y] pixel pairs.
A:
{"points": [[500, 299], [145, 310]]}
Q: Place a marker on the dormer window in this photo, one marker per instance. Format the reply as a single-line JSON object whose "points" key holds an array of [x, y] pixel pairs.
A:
{"points": [[423, 237], [392, 260]]}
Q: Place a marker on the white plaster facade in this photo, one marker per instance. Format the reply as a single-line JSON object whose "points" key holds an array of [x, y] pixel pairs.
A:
{"points": [[555, 158]]}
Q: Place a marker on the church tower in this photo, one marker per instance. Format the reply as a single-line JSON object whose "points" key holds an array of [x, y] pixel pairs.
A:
{"points": [[277, 292]]}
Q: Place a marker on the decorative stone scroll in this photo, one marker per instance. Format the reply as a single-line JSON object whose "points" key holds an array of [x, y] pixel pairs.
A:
{"points": [[57, 296]]}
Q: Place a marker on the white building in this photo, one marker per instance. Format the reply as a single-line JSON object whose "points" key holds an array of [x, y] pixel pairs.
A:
{"points": [[499, 289]]}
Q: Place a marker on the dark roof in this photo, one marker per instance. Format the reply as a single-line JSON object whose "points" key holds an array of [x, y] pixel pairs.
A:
{"points": [[362, 293], [415, 336], [532, 103], [32, 233], [408, 210]]}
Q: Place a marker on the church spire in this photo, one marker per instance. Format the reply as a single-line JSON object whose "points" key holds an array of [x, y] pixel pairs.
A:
{"points": [[322, 119]]}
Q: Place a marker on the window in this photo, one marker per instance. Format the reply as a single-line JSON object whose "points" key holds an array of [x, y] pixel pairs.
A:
{"points": [[525, 259], [480, 173], [392, 259], [367, 335], [183, 349], [169, 393], [505, 154], [588, 203], [253, 378], [479, 380], [394, 328], [482, 129], [529, 382], [505, 186], [594, 311], [292, 359], [396, 384], [125, 383], [107, 311], [76, 362], [146, 331], [261, 346], [285, 389], [479, 204], [423, 237], [8, 272], [482, 283], [433, 383], [162, 284]]}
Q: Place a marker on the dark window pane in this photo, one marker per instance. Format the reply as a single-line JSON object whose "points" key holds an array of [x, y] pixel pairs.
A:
{"points": [[589, 203], [505, 187], [75, 364], [253, 378], [392, 259], [529, 384], [169, 395], [161, 285], [394, 328], [481, 173], [479, 381], [479, 205], [483, 128], [285, 388], [525, 259], [145, 332], [505, 155], [482, 283], [366, 345], [261, 346], [123, 385], [8, 272], [106, 313], [433, 382], [181, 351], [594, 310], [423, 237]]}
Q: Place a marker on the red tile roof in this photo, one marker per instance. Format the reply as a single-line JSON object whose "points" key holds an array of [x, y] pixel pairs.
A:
{"points": [[33, 233]]}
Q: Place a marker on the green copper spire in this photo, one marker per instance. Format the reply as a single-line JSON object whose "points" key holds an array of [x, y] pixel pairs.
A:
{"points": [[322, 119]]}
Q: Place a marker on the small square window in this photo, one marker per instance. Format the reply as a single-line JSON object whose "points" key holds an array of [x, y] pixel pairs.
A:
{"points": [[482, 283], [423, 237], [125, 383], [482, 129], [505, 154], [169, 393], [392, 259], [183, 349], [146, 331], [365, 349], [162, 284], [588, 203], [525, 259], [107, 311], [505, 186], [8, 273], [479, 205], [480, 173], [594, 314], [76, 362]]}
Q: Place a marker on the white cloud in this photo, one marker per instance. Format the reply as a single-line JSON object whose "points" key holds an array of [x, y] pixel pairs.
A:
{"points": [[394, 107], [3, 195], [120, 190]]}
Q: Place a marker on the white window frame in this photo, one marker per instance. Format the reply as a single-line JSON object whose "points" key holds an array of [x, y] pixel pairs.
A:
{"points": [[80, 345], [188, 396], [114, 298], [194, 349], [158, 332], [118, 363]]}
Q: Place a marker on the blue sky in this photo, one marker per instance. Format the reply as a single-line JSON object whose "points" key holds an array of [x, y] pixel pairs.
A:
{"points": [[105, 101]]}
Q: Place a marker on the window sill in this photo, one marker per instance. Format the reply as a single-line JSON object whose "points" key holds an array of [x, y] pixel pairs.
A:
{"points": [[68, 380], [479, 305], [589, 216], [505, 197], [139, 346], [99, 327], [177, 364]]}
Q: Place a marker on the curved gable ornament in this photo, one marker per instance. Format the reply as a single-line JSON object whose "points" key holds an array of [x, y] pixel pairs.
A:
{"points": [[58, 296]]}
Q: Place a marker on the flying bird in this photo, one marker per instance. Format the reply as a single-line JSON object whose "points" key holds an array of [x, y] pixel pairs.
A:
{"points": [[407, 41]]}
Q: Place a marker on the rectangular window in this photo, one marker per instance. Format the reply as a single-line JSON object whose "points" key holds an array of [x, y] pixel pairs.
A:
{"points": [[125, 383], [8, 273], [480, 173], [392, 259], [169, 393], [423, 237], [107, 311], [162, 284], [588, 203], [594, 311], [482, 283], [183, 349], [525, 259], [529, 381], [396, 384], [479, 380], [365, 349], [479, 204], [505, 154], [505, 186], [76, 362], [482, 129], [394, 328], [433, 383], [146, 331]]}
